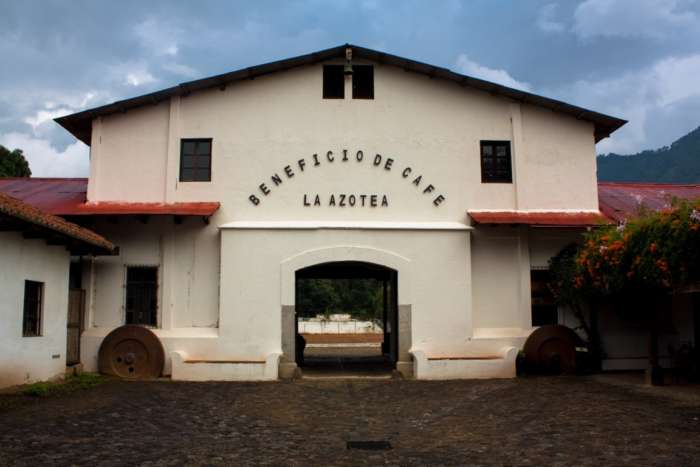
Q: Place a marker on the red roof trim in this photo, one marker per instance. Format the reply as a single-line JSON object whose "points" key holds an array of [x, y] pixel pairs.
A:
{"points": [[543, 219], [122, 208]]}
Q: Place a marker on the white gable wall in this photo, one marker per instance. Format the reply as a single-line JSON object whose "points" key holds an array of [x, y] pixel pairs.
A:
{"points": [[262, 125]]}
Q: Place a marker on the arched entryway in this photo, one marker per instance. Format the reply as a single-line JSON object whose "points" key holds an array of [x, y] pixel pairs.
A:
{"points": [[346, 318], [378, 260]]}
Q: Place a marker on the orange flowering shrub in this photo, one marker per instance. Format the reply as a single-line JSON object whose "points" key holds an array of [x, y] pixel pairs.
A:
{"points": [[655, 251]]}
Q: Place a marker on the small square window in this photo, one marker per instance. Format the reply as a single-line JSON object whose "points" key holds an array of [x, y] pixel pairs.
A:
{"points": [[362, 82], [496, 162], [195, 160], [333, 82], [33, 305]]}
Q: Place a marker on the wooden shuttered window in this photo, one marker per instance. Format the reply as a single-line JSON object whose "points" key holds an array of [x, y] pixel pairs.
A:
{"points": [[496, 166]]}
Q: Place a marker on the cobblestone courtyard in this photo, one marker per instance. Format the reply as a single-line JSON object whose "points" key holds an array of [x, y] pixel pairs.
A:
{"points": [[530, 421]]}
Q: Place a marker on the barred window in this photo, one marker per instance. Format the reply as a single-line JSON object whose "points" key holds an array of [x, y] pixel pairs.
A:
{"points": [[142, 295], [195, 160], [495, 162], [33, 304]]}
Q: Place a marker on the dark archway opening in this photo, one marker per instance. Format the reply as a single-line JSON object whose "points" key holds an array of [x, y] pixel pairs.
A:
{"points": [[346, 318]]}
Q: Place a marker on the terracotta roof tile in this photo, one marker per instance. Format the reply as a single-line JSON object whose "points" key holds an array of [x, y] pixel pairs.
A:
{"points": [[22, 211], [68, 197], [619, 201]]}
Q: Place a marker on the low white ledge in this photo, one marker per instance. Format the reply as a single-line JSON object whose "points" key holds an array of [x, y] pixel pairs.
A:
{"points": [[498, 364], [344, 225], [192, 332], [538, 211], [185, 368]]}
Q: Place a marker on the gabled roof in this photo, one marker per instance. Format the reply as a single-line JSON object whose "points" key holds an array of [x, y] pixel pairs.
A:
{"points": [[68, 197], [619, 201], [16, 215], [80, 124]]}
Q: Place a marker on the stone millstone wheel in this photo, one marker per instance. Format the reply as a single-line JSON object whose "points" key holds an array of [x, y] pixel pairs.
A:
{"points": [[551, 349], [132, 352]]}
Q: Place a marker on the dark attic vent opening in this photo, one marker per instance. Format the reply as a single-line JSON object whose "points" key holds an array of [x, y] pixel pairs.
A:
{"points": [[333, 82], [363, 82]]}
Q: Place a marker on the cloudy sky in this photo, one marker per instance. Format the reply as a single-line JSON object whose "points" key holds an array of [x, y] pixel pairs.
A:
{"points": [[634, 59]]}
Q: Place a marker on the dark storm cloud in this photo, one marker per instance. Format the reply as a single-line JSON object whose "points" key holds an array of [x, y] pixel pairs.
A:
{"points": [[615, 56]]}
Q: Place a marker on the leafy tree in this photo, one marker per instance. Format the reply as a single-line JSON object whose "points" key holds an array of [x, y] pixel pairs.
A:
{"points": [[563, 268], [657, 252], [13, 163], [646, 258], [361, 298]]}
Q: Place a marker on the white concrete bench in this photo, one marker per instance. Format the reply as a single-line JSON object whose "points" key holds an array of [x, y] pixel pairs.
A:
{"points": [[500, 364], [185, 368]]}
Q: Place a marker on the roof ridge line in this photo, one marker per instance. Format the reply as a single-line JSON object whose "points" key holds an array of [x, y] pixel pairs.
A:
{"points": [[79, 123]]}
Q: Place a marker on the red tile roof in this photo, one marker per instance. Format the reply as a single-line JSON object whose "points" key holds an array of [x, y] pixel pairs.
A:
{"points": [[68, 197], [53, 195], [17, 210], [621, 200], [542, 219]]}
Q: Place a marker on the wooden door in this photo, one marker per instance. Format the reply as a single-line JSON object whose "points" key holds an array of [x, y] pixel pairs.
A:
{"points": [[76, 313]]}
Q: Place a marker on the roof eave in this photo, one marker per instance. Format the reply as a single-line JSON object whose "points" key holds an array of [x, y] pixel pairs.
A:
{"points": [[80, 124]]}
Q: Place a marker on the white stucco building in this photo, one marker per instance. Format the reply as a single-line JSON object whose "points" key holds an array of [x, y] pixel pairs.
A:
{"points": [[220, 192]]}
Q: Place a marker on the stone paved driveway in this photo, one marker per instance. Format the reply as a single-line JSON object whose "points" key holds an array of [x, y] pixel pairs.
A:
{"points": [[530, 421]]}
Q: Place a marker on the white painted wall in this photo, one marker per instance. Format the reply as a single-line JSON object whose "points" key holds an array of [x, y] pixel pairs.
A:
{"points": [[29, 359], [188, 257], [258, 278], [625, 333]]}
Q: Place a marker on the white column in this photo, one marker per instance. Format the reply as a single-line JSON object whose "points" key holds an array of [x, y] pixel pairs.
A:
{"points": [[517, 155], [167, 279], [172, 160], [89, 286], [525, 301], [468, 286], [95, 143]]}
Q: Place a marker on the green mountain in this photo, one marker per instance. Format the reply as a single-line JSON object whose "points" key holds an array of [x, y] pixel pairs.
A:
{"points": [[678, 163]]}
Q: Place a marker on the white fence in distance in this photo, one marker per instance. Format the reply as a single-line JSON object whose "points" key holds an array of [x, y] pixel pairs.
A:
{"points": [[337, 324]]}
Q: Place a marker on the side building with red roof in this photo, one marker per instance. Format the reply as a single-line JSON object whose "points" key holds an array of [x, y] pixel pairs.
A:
{"points": [[37, 337]]}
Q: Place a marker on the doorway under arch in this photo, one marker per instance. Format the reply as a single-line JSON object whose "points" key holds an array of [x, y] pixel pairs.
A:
{"points": [[346, 318]]}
